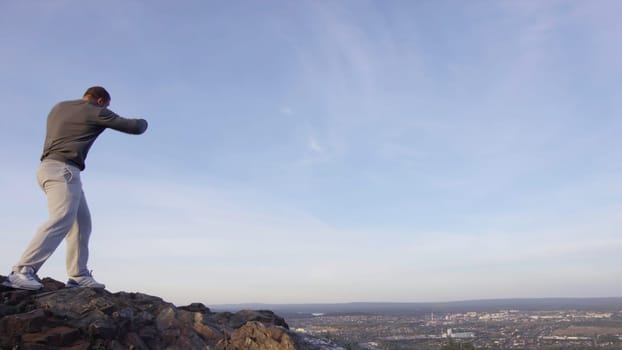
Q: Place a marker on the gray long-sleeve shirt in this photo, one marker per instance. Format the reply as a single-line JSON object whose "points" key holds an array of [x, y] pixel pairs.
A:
{"points": [[73, 126]]}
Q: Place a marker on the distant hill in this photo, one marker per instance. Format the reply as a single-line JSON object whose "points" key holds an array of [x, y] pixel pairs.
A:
{"points": [[490, 305]]}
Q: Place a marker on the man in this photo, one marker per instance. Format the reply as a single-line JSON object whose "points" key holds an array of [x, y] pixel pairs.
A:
{"points": [[72, 127]]}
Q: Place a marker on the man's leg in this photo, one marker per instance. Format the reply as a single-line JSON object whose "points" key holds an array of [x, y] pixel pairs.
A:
{"points": [[63, 190], [78, 249], [78, 242]]}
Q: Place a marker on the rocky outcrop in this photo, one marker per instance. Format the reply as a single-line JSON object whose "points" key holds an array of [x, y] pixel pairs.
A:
{"points": [[82, 318]]}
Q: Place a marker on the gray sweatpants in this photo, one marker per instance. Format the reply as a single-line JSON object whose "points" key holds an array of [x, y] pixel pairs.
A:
{"points": [[69, 218]]}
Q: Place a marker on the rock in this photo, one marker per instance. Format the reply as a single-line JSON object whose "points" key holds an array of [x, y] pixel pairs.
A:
{"points": [[167, 318], [255, 335], [79, 345], [115, 345], [56, 318], [22, 323], [58, 336], [200, 322], [51, 284], [196, 307], [102, 328], [133, 341], [266, 317], [124, 313], [75, 302], [6, 310], [148, 333]]}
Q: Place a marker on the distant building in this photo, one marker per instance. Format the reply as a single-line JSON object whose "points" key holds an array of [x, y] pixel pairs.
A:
{"points": [[458, 335]]}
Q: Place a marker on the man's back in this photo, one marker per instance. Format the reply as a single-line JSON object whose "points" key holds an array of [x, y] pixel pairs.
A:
{"points": [[73, 126]]}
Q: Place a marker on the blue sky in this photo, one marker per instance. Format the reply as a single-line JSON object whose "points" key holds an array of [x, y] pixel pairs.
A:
{"points": [[329, 151]]}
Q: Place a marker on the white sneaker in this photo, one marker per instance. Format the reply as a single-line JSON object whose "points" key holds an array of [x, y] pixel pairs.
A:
{"points": [[86, 281], [26, 278]]}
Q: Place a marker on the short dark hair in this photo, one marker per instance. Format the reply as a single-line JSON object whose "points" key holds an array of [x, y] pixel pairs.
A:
{"points": [[98, 92]]}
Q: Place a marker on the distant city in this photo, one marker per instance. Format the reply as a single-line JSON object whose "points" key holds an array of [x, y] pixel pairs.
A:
{"points": [[488, 324]]}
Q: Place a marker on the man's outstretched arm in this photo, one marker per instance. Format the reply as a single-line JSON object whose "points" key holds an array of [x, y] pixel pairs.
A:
{"points": [[109, 119]]}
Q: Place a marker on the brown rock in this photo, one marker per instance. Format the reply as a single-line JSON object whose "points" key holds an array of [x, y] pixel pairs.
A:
{"points": [[58, 336], [133, 341], [75, 302], [167, 318], [6, 310], [22, 323], [37, 347], [200, 322], [103, 328], [16, 296], [208, 332], [51, 284], [148, 332], [79, 345], [256, 336], [266, 317], [115, 345], [195, 307]]}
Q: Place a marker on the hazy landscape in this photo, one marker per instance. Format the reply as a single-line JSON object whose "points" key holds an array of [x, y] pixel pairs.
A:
{"points": [[485, 305], [549, 323]]}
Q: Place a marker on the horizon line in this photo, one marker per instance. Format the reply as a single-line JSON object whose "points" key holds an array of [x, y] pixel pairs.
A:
{"points": [[426, 302]]}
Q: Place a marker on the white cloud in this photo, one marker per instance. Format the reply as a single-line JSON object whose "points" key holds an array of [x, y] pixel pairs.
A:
{"points": [[314, 145], [286, 110]]}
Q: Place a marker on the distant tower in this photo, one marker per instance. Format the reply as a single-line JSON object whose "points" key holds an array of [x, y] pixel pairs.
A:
{"points": [[432, 316]]}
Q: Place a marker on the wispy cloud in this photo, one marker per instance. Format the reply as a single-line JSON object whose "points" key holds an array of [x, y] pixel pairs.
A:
{"points": [[314, 145], [286, 110]]}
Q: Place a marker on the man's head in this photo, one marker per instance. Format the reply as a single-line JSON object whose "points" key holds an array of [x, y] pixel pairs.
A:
{"points": [[97, 95]]}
